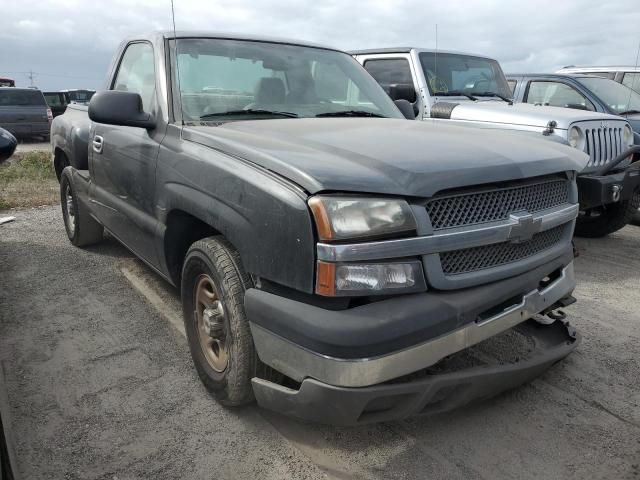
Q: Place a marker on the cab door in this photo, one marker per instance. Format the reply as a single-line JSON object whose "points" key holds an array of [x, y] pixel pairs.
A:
{"points": [[123, 159]]}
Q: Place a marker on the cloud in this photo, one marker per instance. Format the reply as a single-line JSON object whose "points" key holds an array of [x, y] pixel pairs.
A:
{"points": [[69, 43]]}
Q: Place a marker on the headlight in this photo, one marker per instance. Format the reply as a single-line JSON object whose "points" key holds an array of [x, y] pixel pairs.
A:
{"points": [[627, 135], [342, 218], [574, 136], [338, 279]]}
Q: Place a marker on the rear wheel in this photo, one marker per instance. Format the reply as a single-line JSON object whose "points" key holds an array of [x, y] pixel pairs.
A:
{"points": [[213, 287], [608, 219], [82, 229]]}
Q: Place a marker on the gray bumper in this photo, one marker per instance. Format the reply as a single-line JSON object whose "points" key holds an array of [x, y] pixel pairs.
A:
{"points": [[319, 402], [301, 364]]}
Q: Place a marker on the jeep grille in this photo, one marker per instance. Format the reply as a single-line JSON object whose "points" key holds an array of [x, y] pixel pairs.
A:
{"points": [[602, 143]]}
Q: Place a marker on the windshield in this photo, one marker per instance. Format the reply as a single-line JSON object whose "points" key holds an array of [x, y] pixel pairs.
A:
{"points": [[451, 72], [11, 97], [619, 98], [222, 79]]}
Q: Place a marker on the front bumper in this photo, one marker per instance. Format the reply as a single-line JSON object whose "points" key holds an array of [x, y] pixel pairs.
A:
{"points": [[432, 393], [457, 320], [595, 190]]}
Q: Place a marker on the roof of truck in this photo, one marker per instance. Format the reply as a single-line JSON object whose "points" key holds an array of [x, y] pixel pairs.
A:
{"points": [[604, 68], [552, 75], [170, 34], [370, 51]]}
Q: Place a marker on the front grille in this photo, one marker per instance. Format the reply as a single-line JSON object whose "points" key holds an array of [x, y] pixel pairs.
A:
{"points": [[489, 256], [603, 145], [490, 205]]}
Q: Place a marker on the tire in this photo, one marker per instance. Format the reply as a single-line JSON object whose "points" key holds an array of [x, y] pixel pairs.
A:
{"points": [[610, 219], [212, 271], [82, 229]]}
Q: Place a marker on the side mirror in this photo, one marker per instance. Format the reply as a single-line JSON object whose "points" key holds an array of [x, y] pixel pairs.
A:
{"points": [[406, 108], [115, 107], [402, 91], [8, 144]]}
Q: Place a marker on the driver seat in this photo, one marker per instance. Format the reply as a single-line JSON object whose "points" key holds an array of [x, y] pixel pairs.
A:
{"points": [[269, 91]]}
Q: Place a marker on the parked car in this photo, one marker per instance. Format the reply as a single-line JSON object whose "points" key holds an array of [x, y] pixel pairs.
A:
{"points": [[328, 251], [629, 76], [57, 102], [7, 82], [578, 91], [77, 95], [8, 144], [24, 112], [472, 90]]}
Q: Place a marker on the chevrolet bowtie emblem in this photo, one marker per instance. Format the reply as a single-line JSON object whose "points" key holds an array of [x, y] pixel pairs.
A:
{"points": [[525, 228]]}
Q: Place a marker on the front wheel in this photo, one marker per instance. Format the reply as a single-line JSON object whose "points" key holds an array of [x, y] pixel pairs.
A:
{"points": [[599, 222], [213, 287]]}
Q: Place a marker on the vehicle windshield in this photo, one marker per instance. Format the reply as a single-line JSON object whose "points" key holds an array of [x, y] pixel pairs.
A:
{"points": [[11, 97], [224, 80], [54, 99], [464, 74], [618, 97]]}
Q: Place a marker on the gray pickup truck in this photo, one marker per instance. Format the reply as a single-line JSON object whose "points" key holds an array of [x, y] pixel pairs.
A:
{"points": [[468, 89], [329, 253]]}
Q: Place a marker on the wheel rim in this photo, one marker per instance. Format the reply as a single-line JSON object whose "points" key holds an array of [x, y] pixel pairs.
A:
{"points": [[69, 213], [210, 323]]}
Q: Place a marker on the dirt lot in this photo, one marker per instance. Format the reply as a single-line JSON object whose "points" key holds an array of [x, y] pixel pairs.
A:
{"points": [[101, 385]]}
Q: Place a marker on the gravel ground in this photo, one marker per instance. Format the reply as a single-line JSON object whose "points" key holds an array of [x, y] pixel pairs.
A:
{"points": [[101, 385]]}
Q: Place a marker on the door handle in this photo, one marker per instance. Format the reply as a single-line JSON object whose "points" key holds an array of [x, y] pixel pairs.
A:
{"points": [[97, 143]]}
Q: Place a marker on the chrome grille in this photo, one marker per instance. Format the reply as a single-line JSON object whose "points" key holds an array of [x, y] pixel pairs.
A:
{"points": [[489, 256], [602, 145], [489, 205]]}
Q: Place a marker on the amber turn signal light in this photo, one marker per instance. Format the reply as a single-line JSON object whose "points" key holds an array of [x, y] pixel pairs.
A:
{"points": [[326, 279]]}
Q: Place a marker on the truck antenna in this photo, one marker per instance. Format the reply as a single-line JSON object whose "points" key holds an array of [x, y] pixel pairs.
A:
{"points": [[633, 82], [435, 59], [175, 56]]}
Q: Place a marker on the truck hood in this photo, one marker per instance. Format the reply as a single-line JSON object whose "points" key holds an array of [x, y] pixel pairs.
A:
{"points": [[524, 114], [387, 156]]}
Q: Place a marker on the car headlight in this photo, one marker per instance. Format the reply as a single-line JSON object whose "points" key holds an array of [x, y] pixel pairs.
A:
{"points": [[574, 136], [351, 279], [627, 135], [343, 217]]}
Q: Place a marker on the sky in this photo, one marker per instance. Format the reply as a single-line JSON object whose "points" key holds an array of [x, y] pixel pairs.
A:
{"points": [[69, 43]]}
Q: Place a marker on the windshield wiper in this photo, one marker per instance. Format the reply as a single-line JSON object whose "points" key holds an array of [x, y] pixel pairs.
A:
{"points": [[454, 93], [350, 113], [629, 112], [250, 111], [494, 94]]}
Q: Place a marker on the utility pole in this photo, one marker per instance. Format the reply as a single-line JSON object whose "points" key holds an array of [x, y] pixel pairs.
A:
{"points": [[31, 76]]}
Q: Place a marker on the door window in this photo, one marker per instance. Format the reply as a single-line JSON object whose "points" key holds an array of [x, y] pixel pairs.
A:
{"points": [[389, 71], [556, 94], [632, 80], [137, 73]]}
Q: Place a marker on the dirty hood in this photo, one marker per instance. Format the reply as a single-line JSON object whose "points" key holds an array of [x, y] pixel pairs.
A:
{"points": [[385, 156], [524, 114]]}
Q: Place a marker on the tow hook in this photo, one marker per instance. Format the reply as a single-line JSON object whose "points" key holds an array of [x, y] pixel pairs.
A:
{"points": [[616, 192], [553, 313], [556, 315]]}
